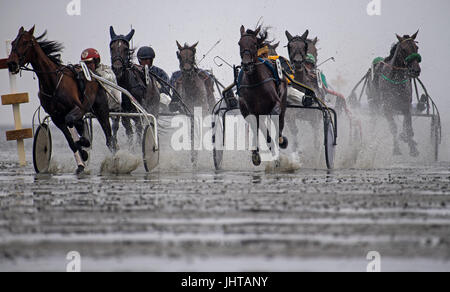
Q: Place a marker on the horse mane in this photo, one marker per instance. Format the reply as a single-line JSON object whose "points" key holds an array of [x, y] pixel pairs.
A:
{"points": [[52, 49], [394, 49], [262, 36]]}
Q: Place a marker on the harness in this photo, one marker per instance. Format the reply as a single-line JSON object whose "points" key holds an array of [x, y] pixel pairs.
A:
{"points": [[269, 65]]}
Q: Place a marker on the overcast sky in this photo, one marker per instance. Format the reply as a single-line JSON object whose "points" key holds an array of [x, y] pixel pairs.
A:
{"points": [[343, 27]]}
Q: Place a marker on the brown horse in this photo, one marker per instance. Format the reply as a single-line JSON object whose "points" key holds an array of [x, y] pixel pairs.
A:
{"points": [[196, 86], [299, 47], [132, 77], [258, 89], [390, 90], [59, 91]]}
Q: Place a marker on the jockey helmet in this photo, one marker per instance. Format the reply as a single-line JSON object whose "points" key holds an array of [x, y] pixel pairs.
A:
{"points": [[89, 55], [146, 53], [310, 59]]}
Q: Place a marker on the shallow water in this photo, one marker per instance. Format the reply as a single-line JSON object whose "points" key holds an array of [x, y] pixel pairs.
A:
{"points": [[177, 218]]}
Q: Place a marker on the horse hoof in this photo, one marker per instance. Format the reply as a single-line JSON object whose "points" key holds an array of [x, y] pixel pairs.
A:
{"points": [[256, 159], [83, 142], [80, 169], [284, 142], [84, 155]]}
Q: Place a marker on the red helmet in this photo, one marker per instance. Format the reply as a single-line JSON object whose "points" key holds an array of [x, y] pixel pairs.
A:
{"points": [[90, 55]]}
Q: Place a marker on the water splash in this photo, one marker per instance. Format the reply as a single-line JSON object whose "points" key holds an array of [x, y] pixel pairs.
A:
{"points": [[123, 162]]}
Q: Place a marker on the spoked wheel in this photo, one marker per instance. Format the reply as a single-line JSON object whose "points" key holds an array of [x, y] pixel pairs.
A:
{"points": [[149, 149], [435, 137], [330, 141], [42, 149], [217, 140]]}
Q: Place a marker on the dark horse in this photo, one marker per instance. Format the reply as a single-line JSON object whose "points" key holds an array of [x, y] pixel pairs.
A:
{"points": [[258, 89], [299, 47], [390, 90], [195, 85], [59, 91], [132, 78]]}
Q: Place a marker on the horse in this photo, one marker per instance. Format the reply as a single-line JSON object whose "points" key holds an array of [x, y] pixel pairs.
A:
{"points": [[390, 90], [196, 86], [60, 92], [132, 77], [299, 47], [260, 93]]}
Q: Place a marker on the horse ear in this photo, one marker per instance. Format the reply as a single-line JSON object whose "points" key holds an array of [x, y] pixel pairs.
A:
{"points": [[112, 33], [195, 45], [179, 46], [414, 36], [21, 30], [289, 36], [315, 41], [305, 35], [242, 30], [400, 39], [31, 31], [276, 45], [130, 35]]}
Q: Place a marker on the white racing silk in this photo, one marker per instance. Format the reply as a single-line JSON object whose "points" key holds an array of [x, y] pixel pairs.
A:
{"points": [[114, 96]]}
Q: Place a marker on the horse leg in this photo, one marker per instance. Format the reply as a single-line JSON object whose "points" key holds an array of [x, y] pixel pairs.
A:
{"points": [[393, 126], [139, 129], [283, 140], [115, 127], [82, 141], [78, 153], [408, 134], [101, 111], [126, 122]]}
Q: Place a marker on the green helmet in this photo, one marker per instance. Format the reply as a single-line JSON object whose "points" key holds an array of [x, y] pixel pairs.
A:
{"points": [[310, 59]]}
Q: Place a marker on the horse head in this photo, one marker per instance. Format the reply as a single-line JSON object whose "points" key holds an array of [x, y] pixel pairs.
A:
{"points": [[120, 52], [297, 48], [249, 45], [407, 52], [186, 56], [21, 53]]}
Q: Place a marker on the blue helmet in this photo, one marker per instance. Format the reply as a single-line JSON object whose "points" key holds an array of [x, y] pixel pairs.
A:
{"points": [[145, 53]]}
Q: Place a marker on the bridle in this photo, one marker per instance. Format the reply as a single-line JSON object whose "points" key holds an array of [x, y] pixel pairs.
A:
{"points": [[125, 62], [250, 52], [190, 62], [14, 49], [296, 50]]}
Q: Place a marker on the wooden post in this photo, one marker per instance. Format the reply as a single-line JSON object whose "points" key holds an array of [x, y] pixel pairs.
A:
{"points": [[15, 99]]}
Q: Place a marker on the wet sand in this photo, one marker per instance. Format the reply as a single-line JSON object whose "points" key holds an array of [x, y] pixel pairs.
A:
{"points": [[235, 220]]}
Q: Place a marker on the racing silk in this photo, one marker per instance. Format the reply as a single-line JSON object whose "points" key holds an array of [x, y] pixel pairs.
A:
{"points": [[285, 64], [163, 75], [114, 96]]}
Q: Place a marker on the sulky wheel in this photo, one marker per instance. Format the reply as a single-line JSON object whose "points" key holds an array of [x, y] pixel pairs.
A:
{"points": [[330, 142], [435, 137], [150, 150], [218, 141], [42, 149]]}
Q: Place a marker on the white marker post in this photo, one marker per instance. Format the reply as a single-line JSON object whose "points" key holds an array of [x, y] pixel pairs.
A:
{"points": [[15, 99]]}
